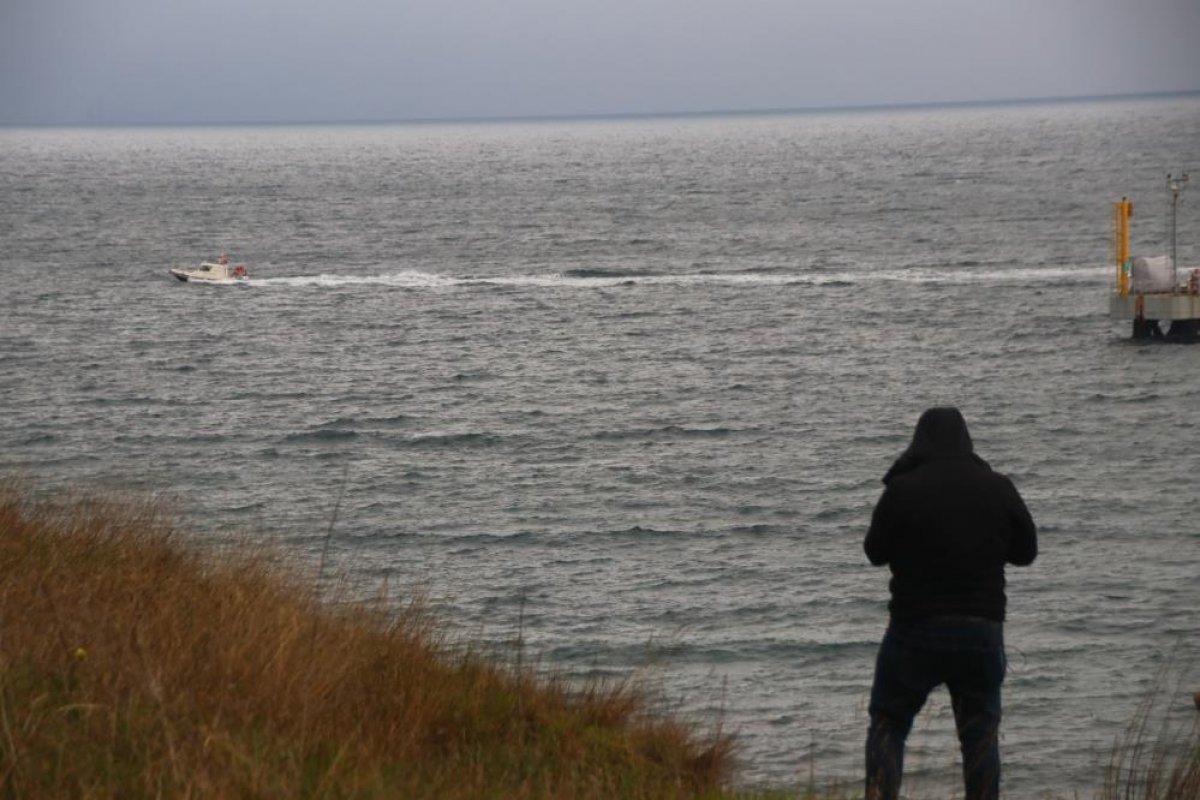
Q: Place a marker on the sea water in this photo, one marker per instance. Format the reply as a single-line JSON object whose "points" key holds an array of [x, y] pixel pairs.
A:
{"points": [[625, 388]]}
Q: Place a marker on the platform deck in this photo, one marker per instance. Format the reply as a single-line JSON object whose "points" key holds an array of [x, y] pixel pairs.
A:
{"points": [[1165, 307]]}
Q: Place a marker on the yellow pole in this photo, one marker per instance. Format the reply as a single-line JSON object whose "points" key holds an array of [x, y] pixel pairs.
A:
{"points": [[1123, 211]]}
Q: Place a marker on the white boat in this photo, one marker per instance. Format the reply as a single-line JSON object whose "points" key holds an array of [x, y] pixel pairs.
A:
{"points": [[219, 271]]}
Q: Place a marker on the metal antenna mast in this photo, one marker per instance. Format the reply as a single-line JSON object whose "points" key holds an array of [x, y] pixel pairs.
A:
{"points": [[1175, 187]]}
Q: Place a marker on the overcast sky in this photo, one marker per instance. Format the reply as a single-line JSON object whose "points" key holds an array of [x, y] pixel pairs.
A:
{"points": [[171, 61]]}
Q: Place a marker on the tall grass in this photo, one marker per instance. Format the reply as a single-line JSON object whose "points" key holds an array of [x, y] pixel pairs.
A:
{"points": [[1156, 760], [132, 665]]}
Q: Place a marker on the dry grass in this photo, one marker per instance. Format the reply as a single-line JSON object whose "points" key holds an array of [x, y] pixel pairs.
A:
{"points": [[133, 666], [1155, 766]]}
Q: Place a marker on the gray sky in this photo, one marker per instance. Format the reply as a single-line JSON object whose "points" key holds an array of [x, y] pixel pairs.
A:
{"points": [[168, 61]]}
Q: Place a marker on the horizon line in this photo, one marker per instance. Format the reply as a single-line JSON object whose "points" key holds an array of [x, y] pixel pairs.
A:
{"points": [[626, 115]]}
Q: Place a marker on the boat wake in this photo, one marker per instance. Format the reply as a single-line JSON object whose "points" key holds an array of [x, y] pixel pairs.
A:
{"points": [[600, 278]]}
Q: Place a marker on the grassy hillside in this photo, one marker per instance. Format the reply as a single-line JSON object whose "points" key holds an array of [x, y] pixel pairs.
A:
{"points": [[133, 666]]}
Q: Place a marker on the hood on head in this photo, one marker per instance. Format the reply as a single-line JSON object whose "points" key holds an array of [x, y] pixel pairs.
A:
{"points": [[940, 432]]}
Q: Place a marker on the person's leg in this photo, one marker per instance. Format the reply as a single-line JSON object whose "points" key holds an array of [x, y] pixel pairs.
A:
{"points": [[975, 695], [903, 679]]}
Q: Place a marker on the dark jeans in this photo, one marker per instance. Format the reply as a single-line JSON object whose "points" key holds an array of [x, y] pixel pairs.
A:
{"points": [[966, 654]]}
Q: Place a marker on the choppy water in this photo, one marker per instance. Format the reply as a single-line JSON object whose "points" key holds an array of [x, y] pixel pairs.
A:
{"points": [[635, 382]]}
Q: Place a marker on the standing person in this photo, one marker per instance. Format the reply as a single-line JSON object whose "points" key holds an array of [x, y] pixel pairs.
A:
{"points": [[946, 525]]}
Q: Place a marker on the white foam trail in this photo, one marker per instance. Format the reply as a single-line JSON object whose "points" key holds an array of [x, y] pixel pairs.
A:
{"points": [[405, 279], [601, 281], [413, 279], [1018, 275]]}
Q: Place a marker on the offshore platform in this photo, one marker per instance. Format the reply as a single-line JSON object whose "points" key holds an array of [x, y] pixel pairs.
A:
{"points": [[1152, 290]]}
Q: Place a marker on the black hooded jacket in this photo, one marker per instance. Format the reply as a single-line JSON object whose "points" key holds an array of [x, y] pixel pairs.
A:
{"points": [[947, 524]]}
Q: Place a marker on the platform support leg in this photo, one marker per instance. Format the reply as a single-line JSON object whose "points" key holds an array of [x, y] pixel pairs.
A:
{"points": [[1145, 329], [1184, 330]]}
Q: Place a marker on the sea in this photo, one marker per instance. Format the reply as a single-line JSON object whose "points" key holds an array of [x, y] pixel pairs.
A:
{"points": [[615, 395]]}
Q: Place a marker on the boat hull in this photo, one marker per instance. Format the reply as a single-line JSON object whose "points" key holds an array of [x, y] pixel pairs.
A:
{"points": [[191, 276]]}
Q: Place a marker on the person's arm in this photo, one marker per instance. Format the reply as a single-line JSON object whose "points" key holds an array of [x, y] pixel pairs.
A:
{"points": [[878, 544], [1022, 548]]}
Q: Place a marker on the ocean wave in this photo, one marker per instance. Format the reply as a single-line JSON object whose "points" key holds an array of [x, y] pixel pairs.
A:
{"points": [[248, 508], [448, 440], [758, 529], [798, 652], [36, 438], [321, 434], [602, 272], [505, 537], [343, 430], [636, 532], [666, 432], [351, 423]]}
